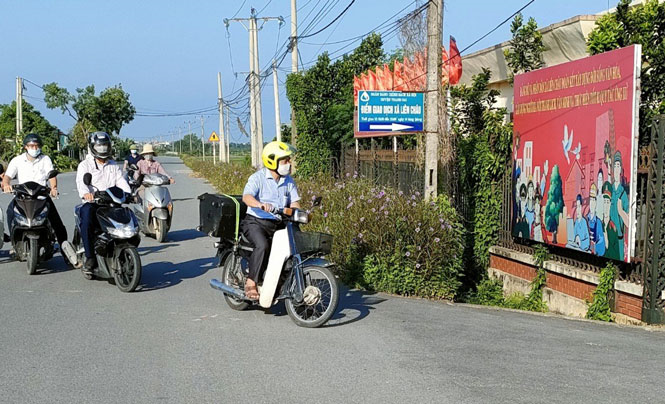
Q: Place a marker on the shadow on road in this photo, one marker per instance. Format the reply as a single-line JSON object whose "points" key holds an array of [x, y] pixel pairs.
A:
{"points": [[164, 274], [55, 265], [153, 249], [182, 199], [354, 305], [184, 235]]}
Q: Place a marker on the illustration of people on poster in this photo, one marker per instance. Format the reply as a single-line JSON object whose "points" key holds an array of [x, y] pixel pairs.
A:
{"points": [[574, 154]]}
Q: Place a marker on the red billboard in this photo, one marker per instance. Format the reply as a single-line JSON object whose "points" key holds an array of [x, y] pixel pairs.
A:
{"points": [[575, 154]]}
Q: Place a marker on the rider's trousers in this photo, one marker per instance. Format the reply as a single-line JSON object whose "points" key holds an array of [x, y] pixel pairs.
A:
{"points": [[88, 223], [259, 232]]}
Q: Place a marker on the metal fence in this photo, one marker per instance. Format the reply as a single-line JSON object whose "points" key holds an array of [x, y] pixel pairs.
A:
{"points": [[398, 169]]}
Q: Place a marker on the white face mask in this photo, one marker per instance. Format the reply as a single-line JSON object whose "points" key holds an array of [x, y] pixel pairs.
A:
{"points": [[133, 152], [284, 170], [148, 157], [34, 152]]}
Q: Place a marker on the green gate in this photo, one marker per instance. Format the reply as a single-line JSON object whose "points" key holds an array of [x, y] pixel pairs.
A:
{"points": [[653, 304]]}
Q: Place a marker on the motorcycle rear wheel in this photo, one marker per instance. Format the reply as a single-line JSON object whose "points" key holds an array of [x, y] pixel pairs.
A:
{"points": [[230, 276], [32, 255], [128, 275], [324, 285]]}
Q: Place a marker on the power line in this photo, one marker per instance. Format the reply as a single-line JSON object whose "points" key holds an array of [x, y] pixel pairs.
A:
{"points": [[331, 22]]}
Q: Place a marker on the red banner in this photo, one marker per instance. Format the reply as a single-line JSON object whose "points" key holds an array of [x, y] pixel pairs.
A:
{"points": [[575, 154]]}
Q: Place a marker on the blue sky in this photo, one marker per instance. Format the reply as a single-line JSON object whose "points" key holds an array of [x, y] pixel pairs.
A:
{"points": [[166, 54]]}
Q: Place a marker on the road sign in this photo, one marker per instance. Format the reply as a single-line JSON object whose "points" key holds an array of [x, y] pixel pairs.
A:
{"points": [[383, 113], [213, 137]]}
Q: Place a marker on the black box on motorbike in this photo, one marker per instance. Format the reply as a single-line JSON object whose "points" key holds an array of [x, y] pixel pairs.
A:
{"points": [[218, 214]]}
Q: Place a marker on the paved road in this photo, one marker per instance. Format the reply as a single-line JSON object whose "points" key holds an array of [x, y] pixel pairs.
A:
{"points": [[64, 339]]}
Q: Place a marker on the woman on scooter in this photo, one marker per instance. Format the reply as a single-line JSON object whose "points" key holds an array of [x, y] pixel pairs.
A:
{"points": [[149, 166], [270, 187]]}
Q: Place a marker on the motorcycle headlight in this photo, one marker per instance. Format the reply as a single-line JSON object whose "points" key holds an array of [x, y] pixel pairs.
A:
{"points": [[40, 219], [300, 216], [20, 218], [127, 231]]}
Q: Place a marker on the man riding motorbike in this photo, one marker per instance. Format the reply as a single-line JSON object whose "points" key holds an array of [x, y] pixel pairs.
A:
{"points": [[35, 166], [270, 187], [105, 174], [133, 158]]}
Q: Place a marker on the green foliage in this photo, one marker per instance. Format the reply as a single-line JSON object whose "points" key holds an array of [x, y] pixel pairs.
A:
{"points": [[642, 24], [33, 122], [107, 112], [384, 240], [555, 204], [526, 47], [599, 307], [322, 98], [489, 292], [483, 159]]}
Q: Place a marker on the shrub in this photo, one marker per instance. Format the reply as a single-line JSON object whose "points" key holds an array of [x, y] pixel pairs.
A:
{"points": [[384, 240]]}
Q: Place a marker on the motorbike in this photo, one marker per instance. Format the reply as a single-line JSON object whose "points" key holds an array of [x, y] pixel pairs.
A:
{"points": [[297, 271], [155, 211], [116, 239], [30, 232]]}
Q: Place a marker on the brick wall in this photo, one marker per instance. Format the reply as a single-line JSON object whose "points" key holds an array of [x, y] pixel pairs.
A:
{"points": [[624, 303]]}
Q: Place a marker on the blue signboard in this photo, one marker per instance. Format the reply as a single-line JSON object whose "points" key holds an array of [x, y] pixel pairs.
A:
{"points": [[389, 112]]}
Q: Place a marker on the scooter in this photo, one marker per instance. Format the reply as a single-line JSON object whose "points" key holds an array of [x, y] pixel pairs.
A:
{"points": [[155, 211], [297, 272], [116, 239], [30, 232]]}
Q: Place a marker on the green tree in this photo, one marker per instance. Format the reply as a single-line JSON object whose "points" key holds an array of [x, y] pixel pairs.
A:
{"points": [[33, 122], [642, 24], [322, 98], [108, 111], [526, 47], [554, 206]]}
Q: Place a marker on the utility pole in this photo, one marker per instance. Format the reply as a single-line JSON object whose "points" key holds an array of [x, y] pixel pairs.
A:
{"points": [[19, 109], [203, 145], [190, 136], [256, 117], [434, 29], [181, 139], [275, 83], [294, 63], [222, 142], [228, 138]]}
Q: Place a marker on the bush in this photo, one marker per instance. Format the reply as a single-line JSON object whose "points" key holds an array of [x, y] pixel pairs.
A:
{"points": [[384, 240]]}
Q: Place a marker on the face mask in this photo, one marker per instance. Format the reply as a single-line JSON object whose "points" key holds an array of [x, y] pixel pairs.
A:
{"points": [[284, 170], [34, 152], [148, 157], [133, 152]]}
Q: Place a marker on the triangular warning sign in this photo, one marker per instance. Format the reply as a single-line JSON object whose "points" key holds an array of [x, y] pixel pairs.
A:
{"points": [[213, 137]]}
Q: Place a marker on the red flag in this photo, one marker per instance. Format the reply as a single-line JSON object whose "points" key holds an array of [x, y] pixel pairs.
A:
{"points": [[372, 80], [420, 78], [364, 81], [408, 74], [446, 63], [455, 67], [380, 80], [398, 76], [388, 82], [356, 88]]}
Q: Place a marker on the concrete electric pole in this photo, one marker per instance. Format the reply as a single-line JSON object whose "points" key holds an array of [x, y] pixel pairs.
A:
{"points": [[19, 108], [294, 63], [256, 117], [222, 136], [275, 83], [434, 33], [203, 145]]}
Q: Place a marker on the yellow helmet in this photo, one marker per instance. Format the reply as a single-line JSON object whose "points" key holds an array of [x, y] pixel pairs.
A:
{"points": [[275, 151]]}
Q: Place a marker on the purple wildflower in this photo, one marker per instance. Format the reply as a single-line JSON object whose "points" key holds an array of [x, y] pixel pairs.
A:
{"points": [[362, 219], [360, 235], [417, 266], [325, 214], [417, 229], [349, 205], [408, 254], [436, 240]]}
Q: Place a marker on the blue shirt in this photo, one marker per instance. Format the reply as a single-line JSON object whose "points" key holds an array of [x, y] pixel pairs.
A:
{"points": [[134, 160], [262, 186]]}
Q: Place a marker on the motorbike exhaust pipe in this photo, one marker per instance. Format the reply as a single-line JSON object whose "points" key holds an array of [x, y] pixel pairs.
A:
{"points": [[237, 293]]}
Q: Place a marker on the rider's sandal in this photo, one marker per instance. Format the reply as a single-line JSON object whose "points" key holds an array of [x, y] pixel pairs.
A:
{"points": [[251, 292]]}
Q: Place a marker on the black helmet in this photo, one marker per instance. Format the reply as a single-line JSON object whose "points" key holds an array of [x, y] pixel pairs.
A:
{"points": [[100, 145], [32, 138]]}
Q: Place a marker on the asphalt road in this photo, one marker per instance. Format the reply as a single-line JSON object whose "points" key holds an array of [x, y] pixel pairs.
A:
{"points": [[64, 339]]}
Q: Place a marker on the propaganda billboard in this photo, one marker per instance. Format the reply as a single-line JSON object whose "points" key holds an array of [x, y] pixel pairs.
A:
{"points": [[575, 154]]}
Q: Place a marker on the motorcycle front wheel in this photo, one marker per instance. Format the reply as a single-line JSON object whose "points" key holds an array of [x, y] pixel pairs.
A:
{"points": [[232, 277], [32, 254], [128, 273], [161, 228], [320, 298]]}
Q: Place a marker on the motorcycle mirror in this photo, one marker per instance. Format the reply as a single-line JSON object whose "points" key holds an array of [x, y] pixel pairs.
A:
{"points": [[133, 167], [52, 174], [317, 201], [87, 179]]}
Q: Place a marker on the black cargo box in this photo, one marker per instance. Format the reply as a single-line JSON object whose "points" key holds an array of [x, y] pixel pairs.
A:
{"points": [[217, 214]]}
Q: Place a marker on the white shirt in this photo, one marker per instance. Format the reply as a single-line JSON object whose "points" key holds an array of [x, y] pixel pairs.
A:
{"points": [[103, 176], [25, 170]]}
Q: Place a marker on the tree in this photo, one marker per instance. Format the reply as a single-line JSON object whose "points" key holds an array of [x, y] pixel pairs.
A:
{"points": [[526, 47], [33, 122], [107, 112], [322, 98], [642, 24], [555, 204]]}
